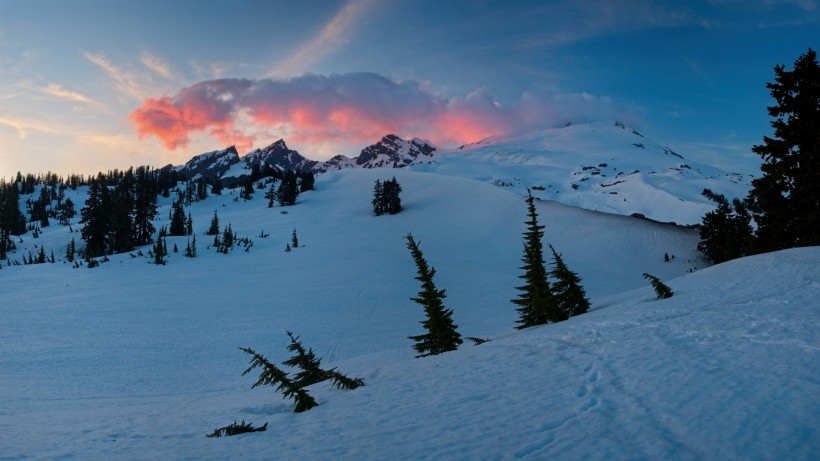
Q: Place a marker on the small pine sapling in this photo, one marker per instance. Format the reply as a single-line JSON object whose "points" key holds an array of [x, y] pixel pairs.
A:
{"points": [[234, 429], [273, 376], [312, 371], [478, 341], [661, 290], [306, 361]]}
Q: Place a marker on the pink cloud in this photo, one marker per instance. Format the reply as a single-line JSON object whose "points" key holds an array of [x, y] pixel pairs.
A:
{"points": [[347, 109]]}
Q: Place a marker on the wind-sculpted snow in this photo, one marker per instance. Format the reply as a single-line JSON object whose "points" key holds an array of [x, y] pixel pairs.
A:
{"points": [[131, 360]]}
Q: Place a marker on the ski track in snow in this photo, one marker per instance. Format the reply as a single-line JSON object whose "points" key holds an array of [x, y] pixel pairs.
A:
{"points": [[135, 361]]}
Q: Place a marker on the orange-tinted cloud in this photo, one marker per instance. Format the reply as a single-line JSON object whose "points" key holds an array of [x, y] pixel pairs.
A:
{"points": [[347, 109]]}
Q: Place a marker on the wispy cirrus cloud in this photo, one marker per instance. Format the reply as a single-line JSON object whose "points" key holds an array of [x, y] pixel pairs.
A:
{"points": [[126, 81], [157, 65], [330, 38], [348, 109], [56, 90], [22, 126]]}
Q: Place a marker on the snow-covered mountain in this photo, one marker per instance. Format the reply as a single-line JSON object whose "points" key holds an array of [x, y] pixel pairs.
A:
{"points": [[133, 360], [602, 166], [211, 164], [280, 156], [394, 152]]}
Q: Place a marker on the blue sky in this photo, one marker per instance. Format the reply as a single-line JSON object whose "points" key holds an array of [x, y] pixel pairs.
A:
{"points": [[96, 85]]}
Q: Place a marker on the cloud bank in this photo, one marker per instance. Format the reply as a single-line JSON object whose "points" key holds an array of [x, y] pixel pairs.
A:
{"points": [[348, 109]]}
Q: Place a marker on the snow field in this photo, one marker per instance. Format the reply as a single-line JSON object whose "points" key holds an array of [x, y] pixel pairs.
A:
{"points": [[135, 361]]}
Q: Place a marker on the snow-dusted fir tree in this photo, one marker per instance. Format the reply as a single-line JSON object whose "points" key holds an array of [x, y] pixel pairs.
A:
{"points": [[566, 287], [442, 334], [537, 304]]}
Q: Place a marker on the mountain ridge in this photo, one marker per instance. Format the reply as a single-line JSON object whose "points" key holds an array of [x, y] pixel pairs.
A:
{"points": [[601, 166]]}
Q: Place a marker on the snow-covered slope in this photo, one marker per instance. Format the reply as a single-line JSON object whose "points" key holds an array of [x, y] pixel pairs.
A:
{"points": [[601, 166], [132, 360]]}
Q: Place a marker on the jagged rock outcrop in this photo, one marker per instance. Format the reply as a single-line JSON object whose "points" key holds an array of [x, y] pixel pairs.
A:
{"points": [[392, 151], [278, 155], [212, 164]]}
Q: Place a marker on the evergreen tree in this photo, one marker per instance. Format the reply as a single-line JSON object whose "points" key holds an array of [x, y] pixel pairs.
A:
{"points": [[271, 193], [214, 229], [67, 212], [178, 219], [189, 225], [94, 218], [271, 375], [227, 239], [661, 290], [569, 294], [288, 189], [216, 186], [70, 251], [306, 360], [159, 252], [392, 200], [386, 197], [294, 239], [442, 334], [307, 181], [12, 221], [537, 304], [378, 198], [786, 198], [311, 369], [145, 205], [120, 212], [247, 189], [726, 232]]}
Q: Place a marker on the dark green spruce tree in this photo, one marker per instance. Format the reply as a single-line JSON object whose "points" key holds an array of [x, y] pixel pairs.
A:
{"points": [[785, 200], [214, 229], [94, 218], [566, 287], [537, 304], [378, 198], [726, 232], [178, 219], [442, 334]]}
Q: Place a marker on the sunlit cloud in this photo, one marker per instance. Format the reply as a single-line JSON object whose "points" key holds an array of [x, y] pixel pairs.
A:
{"points": [[57, 91], [332, 36], [126, 82], [157, 65], [347, 109]]}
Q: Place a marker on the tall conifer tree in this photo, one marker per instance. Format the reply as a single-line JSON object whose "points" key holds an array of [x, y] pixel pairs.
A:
{"points": [[786, 199], [537, 304], [442, 334], [566, 287]]}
